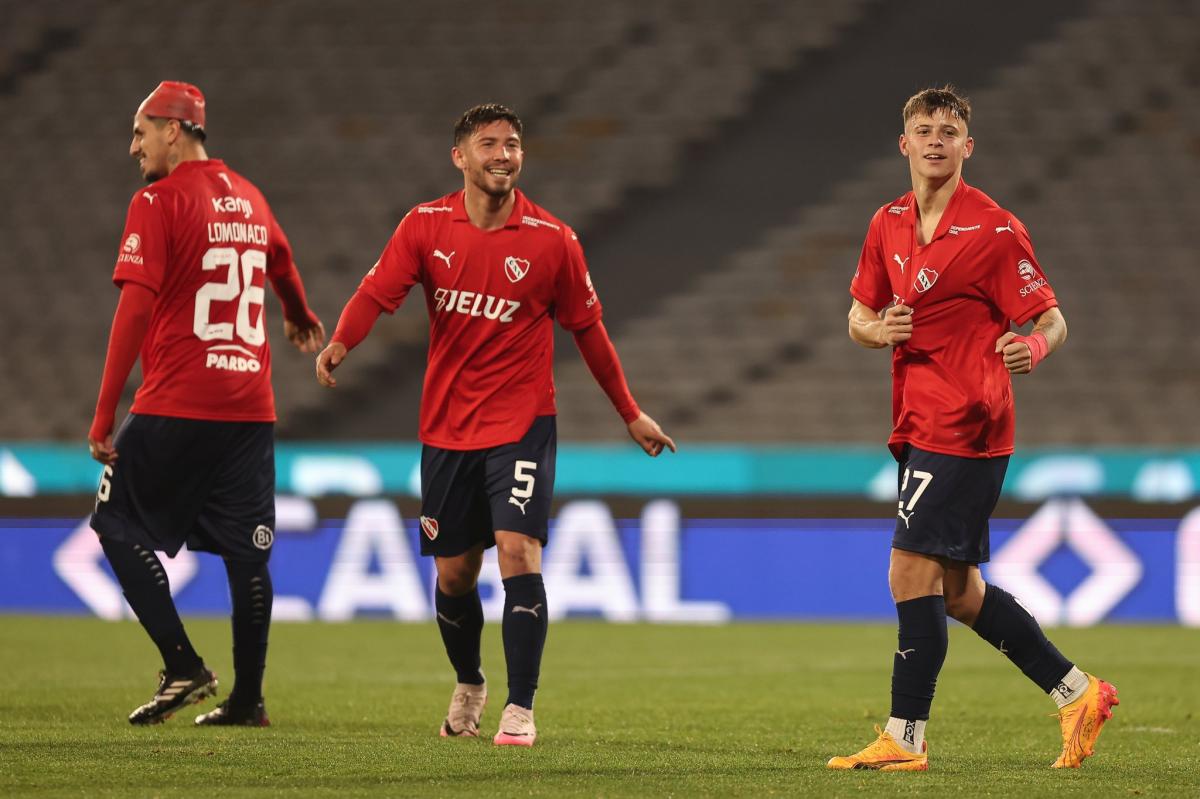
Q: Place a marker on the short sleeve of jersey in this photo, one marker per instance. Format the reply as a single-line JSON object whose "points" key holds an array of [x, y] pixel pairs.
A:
{"points": [[576, 303], [142, 258], [1016, 283], [398, 268], [279, 251], [870, 285]]}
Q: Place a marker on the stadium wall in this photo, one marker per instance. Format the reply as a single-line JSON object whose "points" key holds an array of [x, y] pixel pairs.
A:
{"points": [[625, 559]]}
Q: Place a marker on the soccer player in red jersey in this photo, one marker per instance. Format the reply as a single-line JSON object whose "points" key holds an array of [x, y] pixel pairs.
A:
{"points": [[943, 272], [194, 461], [496, 270]]}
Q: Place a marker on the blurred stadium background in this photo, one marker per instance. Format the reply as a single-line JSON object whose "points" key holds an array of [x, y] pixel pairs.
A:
{"points": [[720, 161]]}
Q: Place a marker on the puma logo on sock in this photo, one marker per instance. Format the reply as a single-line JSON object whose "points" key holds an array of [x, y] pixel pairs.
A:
{"points": [[533, 611], [452, 622], [904, 652]]}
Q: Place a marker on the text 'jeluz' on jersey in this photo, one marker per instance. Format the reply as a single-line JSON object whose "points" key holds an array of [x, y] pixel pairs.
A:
{"points": [[473, 303]]}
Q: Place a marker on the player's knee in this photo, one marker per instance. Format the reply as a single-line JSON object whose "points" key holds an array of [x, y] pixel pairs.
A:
{"points": [[962, 607], [456, 582], [519, 554]]}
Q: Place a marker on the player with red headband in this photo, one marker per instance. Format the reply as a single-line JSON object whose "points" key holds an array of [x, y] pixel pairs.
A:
{"points": [[496, 270], [943, 275], [194, 462]]}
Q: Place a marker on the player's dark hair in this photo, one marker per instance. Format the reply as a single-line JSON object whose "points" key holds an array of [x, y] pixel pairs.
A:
{"points": [[927, 101], [188, 127], [483, 115]]}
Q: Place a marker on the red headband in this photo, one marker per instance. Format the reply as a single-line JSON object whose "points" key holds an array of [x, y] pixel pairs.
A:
{"points": [[175, 100]]}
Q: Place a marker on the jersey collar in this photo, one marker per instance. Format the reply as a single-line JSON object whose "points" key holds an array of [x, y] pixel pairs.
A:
{"points": [[949, 216], [204, 163], [520, 208]]}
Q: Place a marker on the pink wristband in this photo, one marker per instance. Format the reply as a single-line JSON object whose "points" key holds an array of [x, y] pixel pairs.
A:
{"points": [[1037, 347]]}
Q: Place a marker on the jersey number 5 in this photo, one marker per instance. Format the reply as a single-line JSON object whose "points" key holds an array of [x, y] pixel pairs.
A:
{"points": [[230, 288], [521, 493]]}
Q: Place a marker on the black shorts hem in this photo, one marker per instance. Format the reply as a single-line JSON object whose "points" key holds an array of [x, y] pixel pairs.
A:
{"points": [[925, 548], [430, 549]]}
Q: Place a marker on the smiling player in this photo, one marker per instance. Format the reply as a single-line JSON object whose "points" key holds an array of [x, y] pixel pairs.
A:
{"points": [[942, 273], [496, 270], [195, 460]]}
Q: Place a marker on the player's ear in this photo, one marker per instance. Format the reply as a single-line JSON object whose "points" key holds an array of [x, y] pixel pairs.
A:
{"points": [[903, 145], [457, 157], [968, 147]]}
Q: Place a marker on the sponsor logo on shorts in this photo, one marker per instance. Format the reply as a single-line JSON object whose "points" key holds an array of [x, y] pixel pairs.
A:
{"points": [[429, 526], [515, 268], [1025, 270], [262, 537]]}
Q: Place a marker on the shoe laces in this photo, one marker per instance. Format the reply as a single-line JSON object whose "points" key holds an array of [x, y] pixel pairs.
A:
{"points": [[516, 720]]}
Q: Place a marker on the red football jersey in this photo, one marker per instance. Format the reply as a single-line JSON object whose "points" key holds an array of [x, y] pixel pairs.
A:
{"points": [[950, 391], [491, 296], [204, 241]]}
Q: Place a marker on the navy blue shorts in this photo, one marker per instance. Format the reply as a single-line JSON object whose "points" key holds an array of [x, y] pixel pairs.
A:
{"points": [[208, 484], [945, 504], [467, 495]]}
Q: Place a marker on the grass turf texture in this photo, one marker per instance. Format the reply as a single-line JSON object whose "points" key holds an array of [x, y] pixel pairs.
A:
{"points": [[625, 710]]}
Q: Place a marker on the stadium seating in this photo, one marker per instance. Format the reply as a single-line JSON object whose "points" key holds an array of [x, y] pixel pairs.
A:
{"points": [[1098, 159], [341, 112]]}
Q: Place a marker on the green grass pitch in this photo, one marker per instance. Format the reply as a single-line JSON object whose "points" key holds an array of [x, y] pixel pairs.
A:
{"points": [[624, 710]]}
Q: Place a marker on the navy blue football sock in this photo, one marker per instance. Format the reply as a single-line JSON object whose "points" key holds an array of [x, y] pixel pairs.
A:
{"points": [[148, 591], [460, 620], [1006, 625], [252, 593], [524, 627], [919, 657]]}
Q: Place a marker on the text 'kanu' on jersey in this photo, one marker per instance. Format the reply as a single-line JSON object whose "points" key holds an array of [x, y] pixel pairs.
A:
{"points": [[474, 304], [240, 232]]}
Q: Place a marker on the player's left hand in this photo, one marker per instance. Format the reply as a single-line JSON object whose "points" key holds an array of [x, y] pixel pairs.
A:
{"points": [[649, 436], [1018, 359], [309, 338]]}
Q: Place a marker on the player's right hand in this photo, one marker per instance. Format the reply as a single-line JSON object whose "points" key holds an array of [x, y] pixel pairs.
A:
{"points": [[327, 361], [897, 325]]}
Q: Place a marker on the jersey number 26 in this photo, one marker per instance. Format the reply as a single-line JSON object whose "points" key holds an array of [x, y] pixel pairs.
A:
{"points": [[230, 288]]}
